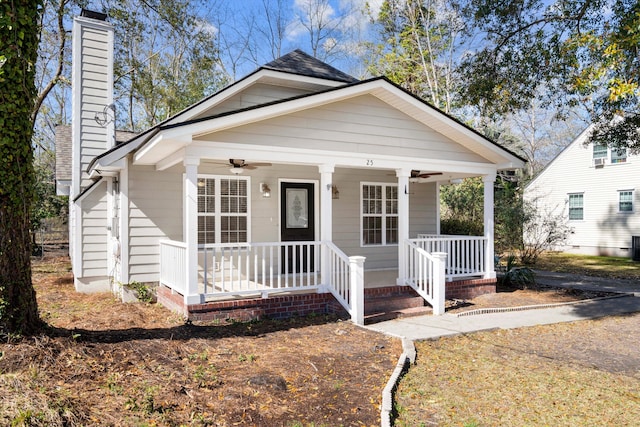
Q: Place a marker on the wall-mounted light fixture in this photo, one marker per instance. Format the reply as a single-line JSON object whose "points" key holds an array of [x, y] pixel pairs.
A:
{"points": [[335, 194], [265, 190]]}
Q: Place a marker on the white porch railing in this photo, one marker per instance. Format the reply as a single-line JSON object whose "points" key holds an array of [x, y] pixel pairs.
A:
{"points": [[173, 265], [346, 281], [245, 268], [265, 268], [426, 274], [465, 254]]}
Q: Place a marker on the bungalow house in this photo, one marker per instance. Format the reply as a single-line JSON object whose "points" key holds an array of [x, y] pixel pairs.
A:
{"points": [[593, 187], [295, 189]]}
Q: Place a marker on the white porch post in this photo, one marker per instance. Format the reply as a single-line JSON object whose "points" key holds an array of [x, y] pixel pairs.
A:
{"points": [[356, 276], [403, 222], [439, 283], [326, 220], [489, 272], [191, 295]]}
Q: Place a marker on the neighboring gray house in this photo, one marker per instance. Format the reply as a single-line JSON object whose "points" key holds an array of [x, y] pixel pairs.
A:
{"points": [[595, 188], [297, 181]]}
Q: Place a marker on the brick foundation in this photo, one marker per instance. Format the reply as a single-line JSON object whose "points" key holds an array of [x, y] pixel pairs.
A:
{"points": [[471, 288], [279, 307], [243, 310]]}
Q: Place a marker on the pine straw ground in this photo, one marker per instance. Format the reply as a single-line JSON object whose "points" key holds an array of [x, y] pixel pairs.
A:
{"points": [[102, 362]]}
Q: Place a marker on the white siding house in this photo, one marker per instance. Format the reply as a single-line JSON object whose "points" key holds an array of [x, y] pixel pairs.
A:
{"points": [[597, 191], [297, 177]]}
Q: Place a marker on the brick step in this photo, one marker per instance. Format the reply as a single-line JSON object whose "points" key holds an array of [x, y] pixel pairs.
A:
{"points": [[380, 309], [396, 314], [391, 303]]}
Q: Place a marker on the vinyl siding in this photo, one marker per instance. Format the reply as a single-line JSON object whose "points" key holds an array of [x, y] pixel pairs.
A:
{"points": [[363, 124], [603, 230], [94, 96], [155, 213], [94, 232], [257, 94]]}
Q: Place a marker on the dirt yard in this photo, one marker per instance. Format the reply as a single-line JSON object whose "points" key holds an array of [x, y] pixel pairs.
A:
{"points": [[107, 363]]}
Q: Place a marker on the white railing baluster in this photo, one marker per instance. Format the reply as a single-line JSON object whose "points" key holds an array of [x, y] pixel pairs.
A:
{"points": [[263, 268], [465, 254]]}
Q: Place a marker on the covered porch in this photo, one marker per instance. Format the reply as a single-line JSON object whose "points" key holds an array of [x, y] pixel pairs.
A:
{"points": [[354, 175]]}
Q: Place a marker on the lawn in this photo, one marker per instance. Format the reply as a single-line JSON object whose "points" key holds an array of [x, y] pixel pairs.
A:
{"points": [[582, 373], [600, 266]]}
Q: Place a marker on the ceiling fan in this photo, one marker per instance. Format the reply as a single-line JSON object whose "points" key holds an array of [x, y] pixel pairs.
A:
{"points": [[416, 174], [239, 165]]}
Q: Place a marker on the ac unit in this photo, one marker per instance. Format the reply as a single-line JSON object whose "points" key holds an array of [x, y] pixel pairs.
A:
{"points": [[599, 162]]}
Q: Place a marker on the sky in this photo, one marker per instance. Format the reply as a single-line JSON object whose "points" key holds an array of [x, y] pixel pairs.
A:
{"points": [[344, 25]]}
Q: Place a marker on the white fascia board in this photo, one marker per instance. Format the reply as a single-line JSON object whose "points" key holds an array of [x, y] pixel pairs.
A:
{"points": [[112, 169], [160, 147], [116, 155], [268, 76], [313, 157], [148, 146]]}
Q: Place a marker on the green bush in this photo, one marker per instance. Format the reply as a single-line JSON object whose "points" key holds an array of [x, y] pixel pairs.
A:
{"points": [[517, 276]]}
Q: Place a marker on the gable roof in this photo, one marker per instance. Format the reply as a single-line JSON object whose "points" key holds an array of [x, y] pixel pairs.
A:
{"points": [[300, 63]]}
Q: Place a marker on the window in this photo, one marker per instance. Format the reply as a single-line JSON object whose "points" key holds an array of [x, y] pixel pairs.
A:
{"points": [[618, 155], [599, 151], [222, 210], [576, 206], [625, 201], [379, 214]]}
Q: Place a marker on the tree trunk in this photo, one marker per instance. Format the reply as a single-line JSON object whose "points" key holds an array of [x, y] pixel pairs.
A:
{"points": [[18, 44]]}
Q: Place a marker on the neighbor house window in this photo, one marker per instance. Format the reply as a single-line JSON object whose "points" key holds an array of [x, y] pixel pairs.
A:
{"points": [[599, 151], [223, 211], [576, 206], [379, 214], [618, 155], [625, 201]]}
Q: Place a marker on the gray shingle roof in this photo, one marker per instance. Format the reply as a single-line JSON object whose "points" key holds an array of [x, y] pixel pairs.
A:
{"points": [[63, 149], [298, 62], [63, 152]]}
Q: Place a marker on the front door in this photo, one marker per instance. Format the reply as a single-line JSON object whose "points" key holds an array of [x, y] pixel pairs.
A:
{"points": [[297, 219]]}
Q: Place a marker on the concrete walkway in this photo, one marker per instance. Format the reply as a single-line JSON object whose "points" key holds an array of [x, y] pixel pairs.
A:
{"points": [[429, 327]]}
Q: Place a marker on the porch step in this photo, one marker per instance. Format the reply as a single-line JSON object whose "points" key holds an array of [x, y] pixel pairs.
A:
{"points": [[380, 309]]}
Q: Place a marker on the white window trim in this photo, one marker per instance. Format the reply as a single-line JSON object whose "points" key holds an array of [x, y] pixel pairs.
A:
{"points": [[633, 205], [577, 193], [384, 215], [217, 214]]}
